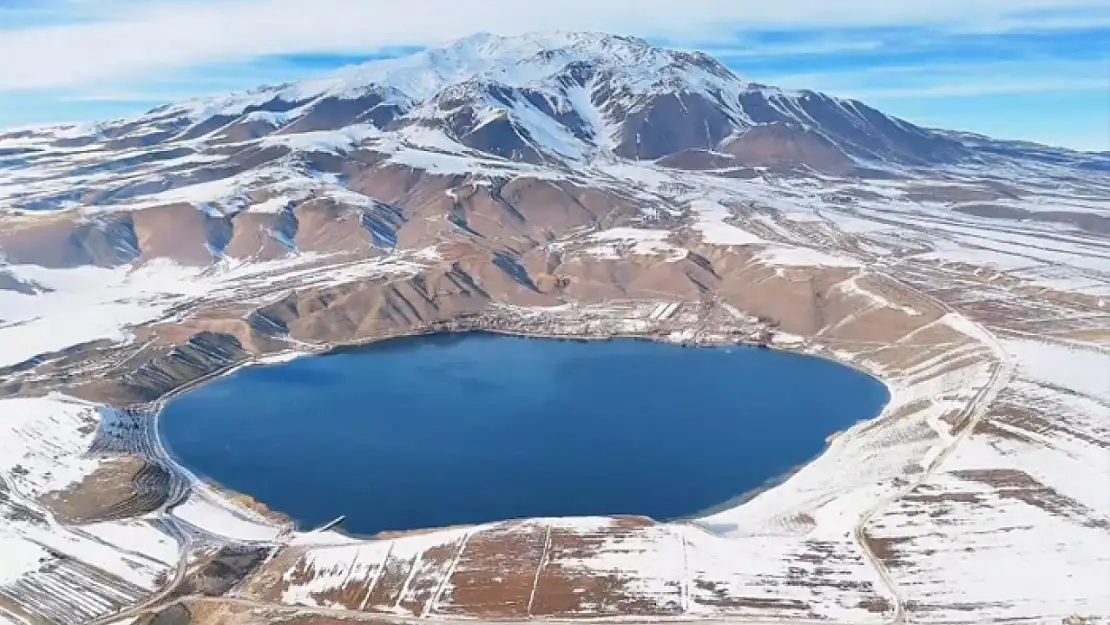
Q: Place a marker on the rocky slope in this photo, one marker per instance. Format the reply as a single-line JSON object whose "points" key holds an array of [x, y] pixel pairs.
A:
{"points": [[571, 184]]}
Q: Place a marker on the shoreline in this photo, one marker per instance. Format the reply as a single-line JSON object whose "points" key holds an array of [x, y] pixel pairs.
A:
{"points": [[270, 515]]}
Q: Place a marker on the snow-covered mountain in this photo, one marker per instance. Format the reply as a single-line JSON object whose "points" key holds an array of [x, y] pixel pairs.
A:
{"points": [[553, 96], [359, 145]]}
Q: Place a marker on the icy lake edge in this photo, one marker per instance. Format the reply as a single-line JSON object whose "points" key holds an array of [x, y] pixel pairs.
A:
{"points": [[733, 501]]}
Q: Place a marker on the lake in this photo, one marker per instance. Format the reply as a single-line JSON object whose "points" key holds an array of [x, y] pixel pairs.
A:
{"points": [[454, 429]]}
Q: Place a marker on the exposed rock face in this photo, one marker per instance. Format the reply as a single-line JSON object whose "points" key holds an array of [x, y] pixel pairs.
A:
{"points": [[181, 233], [673, 122], [785, 144], [70, 240], [332, 112], [856, 128]]}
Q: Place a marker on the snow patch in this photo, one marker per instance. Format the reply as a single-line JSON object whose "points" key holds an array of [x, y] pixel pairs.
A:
{"points": [[1073, 367], [713, 228], [331, 141], [639, 241], [780, 256], [20, 557], [43, 441], [208, 514]]}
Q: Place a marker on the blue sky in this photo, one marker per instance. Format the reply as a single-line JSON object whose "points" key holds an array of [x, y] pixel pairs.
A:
{"points": [[1025, 69]]}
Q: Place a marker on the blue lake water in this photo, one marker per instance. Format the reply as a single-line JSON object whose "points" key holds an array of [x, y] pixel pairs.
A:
{"points": [[455, 429]]}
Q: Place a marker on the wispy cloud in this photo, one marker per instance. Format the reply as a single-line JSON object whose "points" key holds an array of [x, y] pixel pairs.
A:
{"points": [[979, 89], [119, 96], [949, 80], [755, 49], [1041, 20]]}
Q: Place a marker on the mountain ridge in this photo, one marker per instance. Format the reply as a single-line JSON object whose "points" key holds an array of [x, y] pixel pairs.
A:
{"points": [[638, 100], [353, 162]]}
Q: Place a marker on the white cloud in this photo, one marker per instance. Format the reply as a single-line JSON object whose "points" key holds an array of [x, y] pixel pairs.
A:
{"points": [[947, 80], [120, 96], [119, 40], [818, 47], [972, 89]]}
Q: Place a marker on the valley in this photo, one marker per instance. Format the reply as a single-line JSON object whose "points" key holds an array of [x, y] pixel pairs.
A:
{"points": [[571, 185]]}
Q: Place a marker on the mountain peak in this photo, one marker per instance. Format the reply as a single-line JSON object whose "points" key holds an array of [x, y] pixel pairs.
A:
{"points": [[519, 61], [561, 96]]}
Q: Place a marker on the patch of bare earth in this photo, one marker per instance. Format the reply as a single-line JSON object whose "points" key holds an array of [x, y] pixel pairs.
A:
{"points": [[717, 595], [568, 586], [275, 578], [1018, 417], [386, 591], [496, 572], [1020, 486], [886, 550], [431, 568], [119, 488], [214, 574]]}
